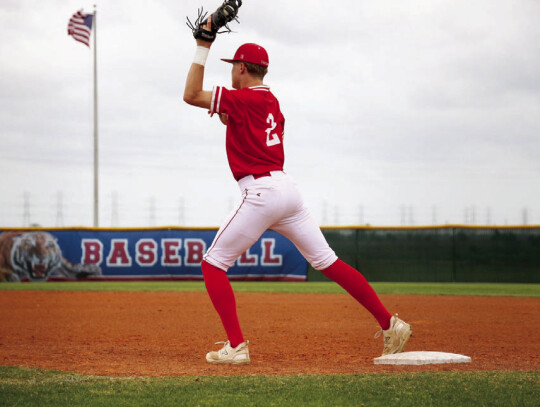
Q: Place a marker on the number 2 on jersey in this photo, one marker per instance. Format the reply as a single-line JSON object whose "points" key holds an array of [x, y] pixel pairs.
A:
{"points": [[271, 138]]}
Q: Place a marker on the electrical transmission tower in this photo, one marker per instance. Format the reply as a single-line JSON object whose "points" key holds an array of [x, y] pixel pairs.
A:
{"points": [[152, 211], [59, 208], [181, 212], [114, 209], [26, 210]]}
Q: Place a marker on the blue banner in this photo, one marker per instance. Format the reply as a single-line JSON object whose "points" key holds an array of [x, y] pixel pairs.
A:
{"points": [[137, 254]]}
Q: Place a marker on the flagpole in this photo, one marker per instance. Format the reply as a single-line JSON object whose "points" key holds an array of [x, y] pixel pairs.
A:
{"points": [[96, 155]]}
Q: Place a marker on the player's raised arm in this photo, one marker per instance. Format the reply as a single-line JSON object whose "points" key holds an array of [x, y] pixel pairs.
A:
{"points": [[193, 92], [205, 32]]}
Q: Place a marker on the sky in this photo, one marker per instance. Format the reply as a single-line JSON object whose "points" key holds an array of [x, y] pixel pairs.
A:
{"points": [[398, 112]]}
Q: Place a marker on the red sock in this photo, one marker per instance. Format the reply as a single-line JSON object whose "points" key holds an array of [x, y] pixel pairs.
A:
{"points": [[357, 286], [222, 296]]}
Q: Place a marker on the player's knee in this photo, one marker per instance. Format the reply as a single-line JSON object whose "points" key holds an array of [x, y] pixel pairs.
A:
{"points": [[215, 263], [323, 262]]}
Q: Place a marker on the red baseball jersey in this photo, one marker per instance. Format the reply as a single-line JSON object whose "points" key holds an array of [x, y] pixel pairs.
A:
{"points": [[255, 127]]}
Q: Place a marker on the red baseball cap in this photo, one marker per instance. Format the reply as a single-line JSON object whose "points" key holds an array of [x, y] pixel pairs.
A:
{"points": [[252, 53]]}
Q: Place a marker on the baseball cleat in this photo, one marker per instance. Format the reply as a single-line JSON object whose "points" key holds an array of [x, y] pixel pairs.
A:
{"points": [[396, 336], [230, 355]]}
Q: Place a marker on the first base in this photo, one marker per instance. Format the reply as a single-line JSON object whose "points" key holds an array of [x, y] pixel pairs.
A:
{"points": [[421, 358]]}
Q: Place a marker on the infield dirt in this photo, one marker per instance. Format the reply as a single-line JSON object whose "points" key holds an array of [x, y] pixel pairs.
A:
{"points": [[169, 333]]}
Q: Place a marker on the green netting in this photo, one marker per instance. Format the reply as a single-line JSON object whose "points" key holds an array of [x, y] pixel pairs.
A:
{"points": [[460, 254]]}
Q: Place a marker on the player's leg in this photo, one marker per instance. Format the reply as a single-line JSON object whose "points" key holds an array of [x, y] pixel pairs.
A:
{"points": [[237, 234], [243, 227], [357, 285], [222, 296], [308, 238], [301, 228], [395, 332]]}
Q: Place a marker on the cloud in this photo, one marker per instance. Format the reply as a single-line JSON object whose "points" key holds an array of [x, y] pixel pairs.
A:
{"points": [[387, 103]]}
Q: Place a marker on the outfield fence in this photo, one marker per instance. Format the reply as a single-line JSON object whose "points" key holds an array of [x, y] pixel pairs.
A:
{"points": [[450, 253]]}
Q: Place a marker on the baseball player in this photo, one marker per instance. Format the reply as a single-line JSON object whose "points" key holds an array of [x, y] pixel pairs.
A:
{"points": [[270, 197]]}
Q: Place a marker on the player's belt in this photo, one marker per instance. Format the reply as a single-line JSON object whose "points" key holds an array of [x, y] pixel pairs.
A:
{"points": [[261, 175]]}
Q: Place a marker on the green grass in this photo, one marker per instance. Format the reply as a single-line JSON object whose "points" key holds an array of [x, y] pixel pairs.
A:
{"points": [[29, 387], [483, 289]]}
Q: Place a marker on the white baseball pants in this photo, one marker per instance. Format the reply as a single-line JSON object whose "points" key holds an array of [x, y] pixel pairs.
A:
{"points": [[271, 202]]}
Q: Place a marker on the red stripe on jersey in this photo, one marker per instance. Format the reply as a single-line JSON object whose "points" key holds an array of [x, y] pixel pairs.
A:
{"points": [[212, 102], [264, 88], [216, 96], [218, 103]]}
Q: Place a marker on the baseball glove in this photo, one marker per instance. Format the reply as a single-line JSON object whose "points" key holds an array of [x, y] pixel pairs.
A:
{"points": [[220, 18]]}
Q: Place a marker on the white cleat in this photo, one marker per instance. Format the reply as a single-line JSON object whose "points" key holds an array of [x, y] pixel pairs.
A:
{"points": [[396, 336], [230, 355]]}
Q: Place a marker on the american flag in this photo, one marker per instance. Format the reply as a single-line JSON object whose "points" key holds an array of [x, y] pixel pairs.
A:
{"points": [[80, 27]]}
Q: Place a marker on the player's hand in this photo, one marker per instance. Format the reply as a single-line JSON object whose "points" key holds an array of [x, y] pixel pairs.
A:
{"points": [[223, 117], [207, 27]]}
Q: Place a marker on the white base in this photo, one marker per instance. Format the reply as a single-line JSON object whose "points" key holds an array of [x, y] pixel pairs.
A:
{"points": [[421, 358]]}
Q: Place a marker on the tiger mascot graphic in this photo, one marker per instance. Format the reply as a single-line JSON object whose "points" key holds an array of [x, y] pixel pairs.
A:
{"points": [[36, 256]]}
